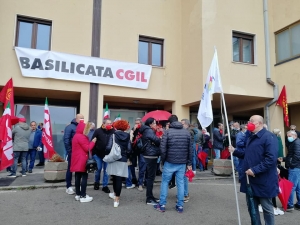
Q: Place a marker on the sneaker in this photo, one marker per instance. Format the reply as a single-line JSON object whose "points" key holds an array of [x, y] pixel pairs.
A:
{"points": [[70, 191], [275, 212], [179, 209], [279, 211], [160, 208], [40, 164], [130, 187], [156, 200], [86, 199], [260, 208], [106, 189], [186, 198], [297, 207], [29, 171], [151, 202], [194, 171], [77, 197], [12, 175], [116, 204], [24, 175], [112, 195], [172, 186], [140, 188], [96, 186], [290, 209]]}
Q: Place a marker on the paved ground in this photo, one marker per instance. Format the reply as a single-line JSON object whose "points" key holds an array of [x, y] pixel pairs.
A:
{"points": [[212, 203]]}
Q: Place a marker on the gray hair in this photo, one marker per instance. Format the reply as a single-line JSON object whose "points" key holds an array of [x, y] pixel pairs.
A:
{"points": [[292, 133], [276, 131], [243, 126], [186, 121], [104, 121], [138, 119]]}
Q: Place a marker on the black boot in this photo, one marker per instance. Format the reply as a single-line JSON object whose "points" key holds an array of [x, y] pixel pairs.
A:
{"points": [[96, 186], [205, 168]]}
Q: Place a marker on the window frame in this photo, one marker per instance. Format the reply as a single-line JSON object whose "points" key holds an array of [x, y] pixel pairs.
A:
{"points": [[243, 36], [289, 28], [151, 40], [35, 22]]}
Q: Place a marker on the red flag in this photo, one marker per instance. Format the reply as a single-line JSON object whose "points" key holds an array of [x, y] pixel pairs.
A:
{"points": [[6, 146], [47, 134], [7, 94], [282, 101]]}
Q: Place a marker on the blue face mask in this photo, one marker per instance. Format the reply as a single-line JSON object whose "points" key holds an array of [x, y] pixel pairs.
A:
{"points": [[290, 139]]}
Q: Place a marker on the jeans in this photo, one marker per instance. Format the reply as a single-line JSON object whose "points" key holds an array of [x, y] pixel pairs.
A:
{"points": [[41, 157], [101, 164], [68, 173], [23, 160], [236, 162], [142, 169], [128, 179], [186, 186], [268, 210], [294, 176], [81, 183], [151, 168], [30, 154], [217, 152], [169, 170], [194, 162]]}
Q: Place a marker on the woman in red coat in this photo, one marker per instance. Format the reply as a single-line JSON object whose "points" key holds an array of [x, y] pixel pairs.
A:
{"points": [[80, 147]]}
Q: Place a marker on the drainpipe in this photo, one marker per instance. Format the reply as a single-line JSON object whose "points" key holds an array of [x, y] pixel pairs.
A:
{"points": [[268, 63]]}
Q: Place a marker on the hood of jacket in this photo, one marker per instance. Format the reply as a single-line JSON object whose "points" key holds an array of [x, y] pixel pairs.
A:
{"points": [[176, 125], [80, 128], [121, 135], [24, 126]]}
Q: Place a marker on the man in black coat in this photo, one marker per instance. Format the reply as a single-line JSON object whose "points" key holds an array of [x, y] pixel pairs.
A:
{"points": [[292, 128], [102, 134], [176, 153]]}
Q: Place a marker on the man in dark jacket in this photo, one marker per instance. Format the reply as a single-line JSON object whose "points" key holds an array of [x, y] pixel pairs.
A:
{"points": [[34, 144], [102, 134], [292, 162], [69, 133], [260, 161], [176, 153], [218, 138], [292, 128]]}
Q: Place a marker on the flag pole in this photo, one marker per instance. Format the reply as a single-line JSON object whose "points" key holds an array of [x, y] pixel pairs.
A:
{"points": [[229, 140]]}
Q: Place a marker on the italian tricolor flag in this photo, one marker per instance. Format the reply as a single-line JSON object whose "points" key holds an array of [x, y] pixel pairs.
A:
{"points": [[106, 112], [118, 118]]}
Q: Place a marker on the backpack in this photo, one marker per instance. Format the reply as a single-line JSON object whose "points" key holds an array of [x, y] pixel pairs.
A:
{"points": [[138, 143]]}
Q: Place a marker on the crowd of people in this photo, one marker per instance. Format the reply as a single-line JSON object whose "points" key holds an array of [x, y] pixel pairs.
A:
{"points": [[257, 153]]}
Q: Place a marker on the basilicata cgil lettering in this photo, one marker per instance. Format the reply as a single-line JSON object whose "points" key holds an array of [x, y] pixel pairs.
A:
{"points": [[82, 69]]}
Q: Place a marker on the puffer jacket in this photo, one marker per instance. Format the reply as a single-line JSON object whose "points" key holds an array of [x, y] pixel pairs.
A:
{"points": [[148, 135], [218, 139], [80, 148], [20, 137], [176, 145], [292, 159], [123, 140], [69, 133]]}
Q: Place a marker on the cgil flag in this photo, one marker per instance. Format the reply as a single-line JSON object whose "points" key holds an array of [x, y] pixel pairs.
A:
{"points": [[6, 146], [282, 101], [47, 133], [118, 118], [212, 85], [106, 112]]}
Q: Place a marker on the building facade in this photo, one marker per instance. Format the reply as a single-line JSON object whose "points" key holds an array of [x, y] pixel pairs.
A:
{"points": [[257, 41]]}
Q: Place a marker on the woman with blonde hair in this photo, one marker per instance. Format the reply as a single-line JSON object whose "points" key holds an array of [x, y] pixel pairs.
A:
{"points": [[277, 132], [119, 168]]}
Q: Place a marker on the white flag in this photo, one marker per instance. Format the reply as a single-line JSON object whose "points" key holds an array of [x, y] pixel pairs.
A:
{"points": [[212, 85]]}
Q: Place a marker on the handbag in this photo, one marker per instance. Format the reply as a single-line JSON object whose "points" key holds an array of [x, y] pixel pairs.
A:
{"points": [[115, 153], [91, 164]]}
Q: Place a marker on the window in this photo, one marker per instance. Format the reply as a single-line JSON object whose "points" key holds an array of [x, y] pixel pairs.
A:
{"points": [[151, 51], [33, 33], [242, 47], [288, 43]]}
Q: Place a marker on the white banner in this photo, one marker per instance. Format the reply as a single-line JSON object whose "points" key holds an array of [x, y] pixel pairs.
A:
{"points": [[48, 64]]}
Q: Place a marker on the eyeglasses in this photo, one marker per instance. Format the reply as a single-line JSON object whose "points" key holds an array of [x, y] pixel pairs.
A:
{"points": [[292, 129]]}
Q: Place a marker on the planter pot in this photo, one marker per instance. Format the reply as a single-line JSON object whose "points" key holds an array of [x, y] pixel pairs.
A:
{"points": [[55, 171], [222, 167]]}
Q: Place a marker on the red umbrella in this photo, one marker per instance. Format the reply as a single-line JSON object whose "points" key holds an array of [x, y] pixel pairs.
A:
{"points": [[202, 157], [285, 189], [157, 115]]}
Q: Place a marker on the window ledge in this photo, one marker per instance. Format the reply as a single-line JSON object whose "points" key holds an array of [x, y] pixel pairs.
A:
{"points": [[249, 64], [288, 60], [159, 67]]}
